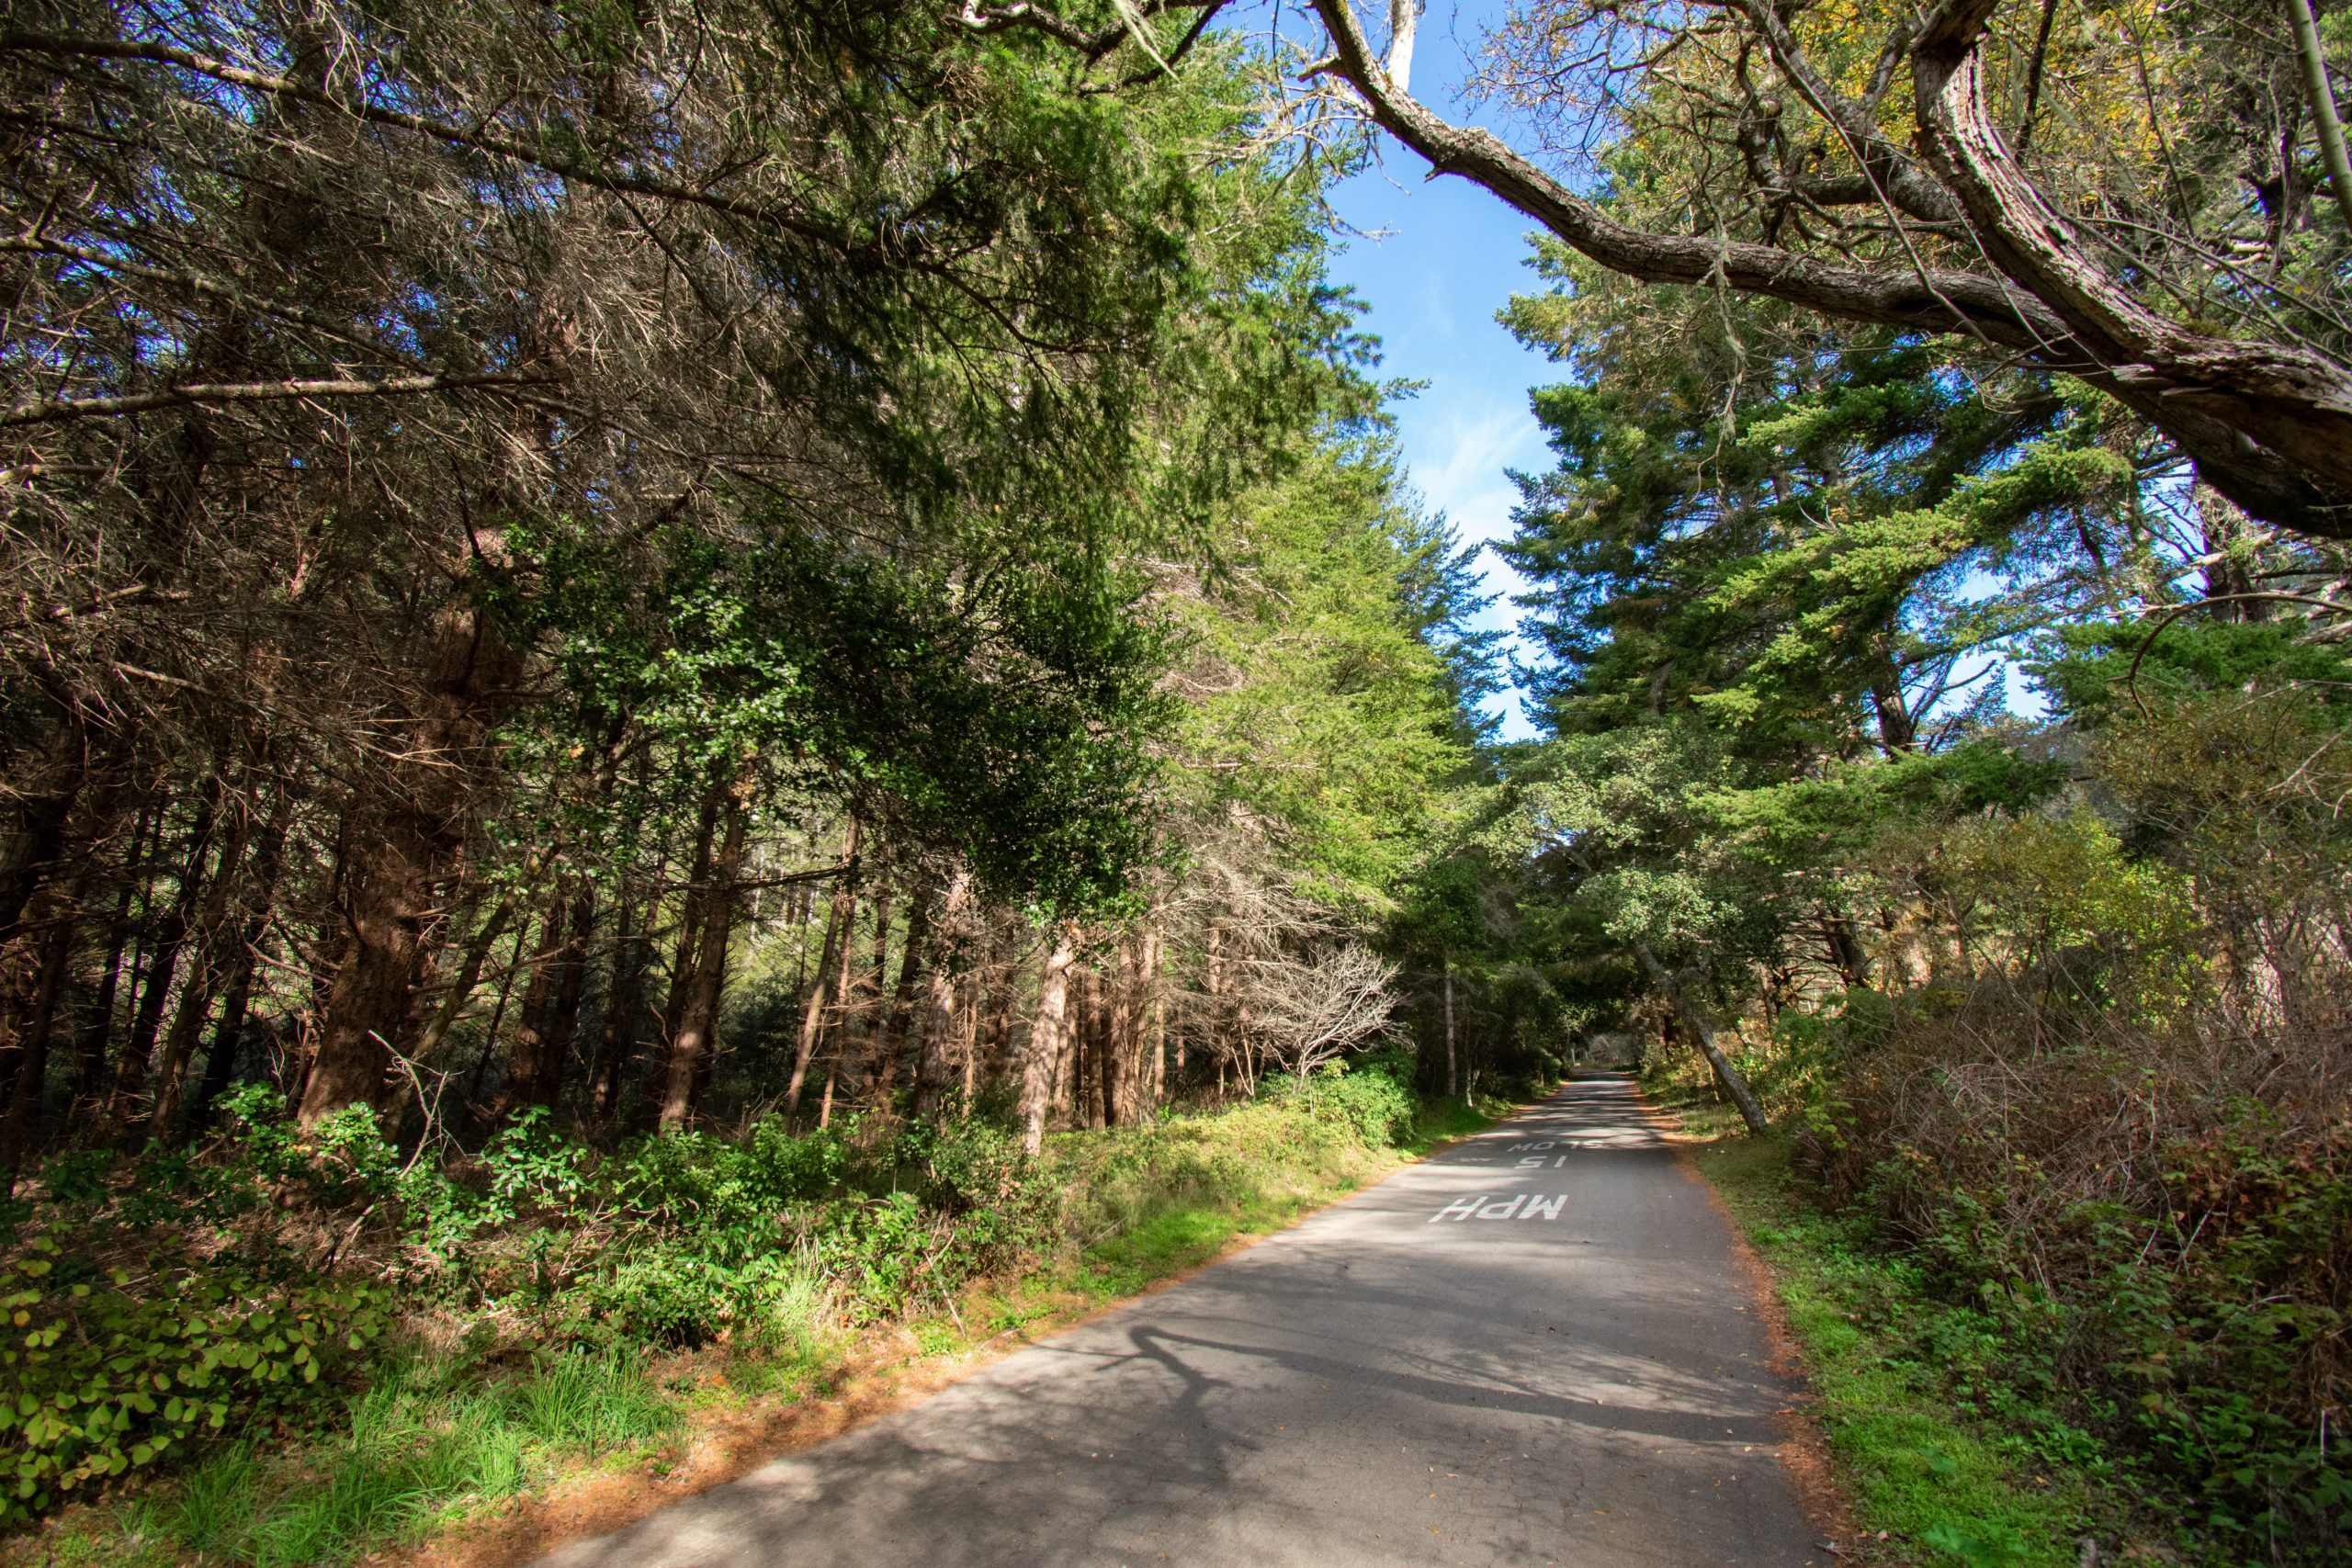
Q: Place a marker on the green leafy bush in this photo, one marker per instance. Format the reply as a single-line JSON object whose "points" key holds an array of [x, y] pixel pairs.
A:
{"points": [[107, 1372]]}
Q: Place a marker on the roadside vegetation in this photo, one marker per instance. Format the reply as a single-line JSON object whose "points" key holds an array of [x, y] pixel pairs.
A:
{"points": [[449, 1342], [683, 682]]}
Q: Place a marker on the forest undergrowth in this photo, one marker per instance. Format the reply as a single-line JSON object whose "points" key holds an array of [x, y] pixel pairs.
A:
{"points": [[286, 1349]]}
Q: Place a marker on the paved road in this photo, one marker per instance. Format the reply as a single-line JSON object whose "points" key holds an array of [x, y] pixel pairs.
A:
{"points": [[1532, 1348]]}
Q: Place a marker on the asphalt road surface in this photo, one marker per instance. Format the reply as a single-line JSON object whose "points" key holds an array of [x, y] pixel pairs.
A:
{"points": [[1532, 1348]]}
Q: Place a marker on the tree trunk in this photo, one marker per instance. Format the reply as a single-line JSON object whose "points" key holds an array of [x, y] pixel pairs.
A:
{"points": [[33, 818], [1452, 1079], [97, 1025], [690, 910], [862, 1031], [939, 1017], [1845, 948], [838, 930], [220, 926], [902, 1002], [1045, 1041], [1156, 1006], [1121, 1091], [560, 1027], [623, 1001], [698, 1025], [1094, 1072], [468, 977], [837, 1025], [409, 836], [515, 1085], [147, 1017], [43, 966], [1726, 1076]]}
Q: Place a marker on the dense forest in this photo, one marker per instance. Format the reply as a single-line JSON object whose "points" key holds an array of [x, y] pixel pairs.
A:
{"points": [[672, 671]]}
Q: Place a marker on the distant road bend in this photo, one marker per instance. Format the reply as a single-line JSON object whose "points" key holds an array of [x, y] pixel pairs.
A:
{"points": [[1534, 1348]]}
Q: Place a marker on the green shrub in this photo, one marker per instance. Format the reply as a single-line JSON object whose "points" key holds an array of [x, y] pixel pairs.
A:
{"points": [[108, 1372]]}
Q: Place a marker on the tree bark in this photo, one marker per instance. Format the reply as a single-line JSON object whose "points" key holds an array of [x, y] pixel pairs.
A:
{"points": [[690, 910], [2268, 425], [902, 1001], [42, 967], [839, 923], [97, 1025], [516, 1083], [2323, 105], [468, 977], [1094, 1074], [413, 827], [697, 1028], [561, 1026], [147, 1017], [221, 925], [1845, 948], [33, 818], [623, 1001], [939, 1017], [1726, 1076], [1046, 1042], [1452, 1080]]}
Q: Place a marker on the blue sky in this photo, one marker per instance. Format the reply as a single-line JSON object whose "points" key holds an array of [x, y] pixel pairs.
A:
{"points": [[1447, 256], [1450, 255]]}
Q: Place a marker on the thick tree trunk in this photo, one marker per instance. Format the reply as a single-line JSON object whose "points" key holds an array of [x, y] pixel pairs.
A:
{"points": [[939, 1017], [407, 838], [901, 1019], [1704, 1034], [1046, 1042], [697, 1028]]}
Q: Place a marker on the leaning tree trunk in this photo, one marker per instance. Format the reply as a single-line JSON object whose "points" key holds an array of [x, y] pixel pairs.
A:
{"points": [[1703, 1033], [1046, 1041]]}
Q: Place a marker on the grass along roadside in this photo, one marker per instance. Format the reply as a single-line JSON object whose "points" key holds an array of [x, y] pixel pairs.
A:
{"points": [[463, 1448], [1930, 1442]]}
